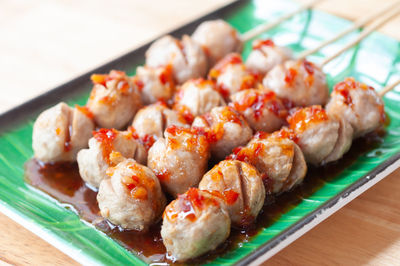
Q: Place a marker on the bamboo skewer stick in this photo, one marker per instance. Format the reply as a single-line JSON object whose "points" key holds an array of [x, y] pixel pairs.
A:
{"points": [[368, 30], [388, 88], [358, 24], [267, 26]]}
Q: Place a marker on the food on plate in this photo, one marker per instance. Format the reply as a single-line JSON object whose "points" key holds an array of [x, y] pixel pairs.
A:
{"points": [[60, 132], [196, 222], [94, 162], [131, 197], [114, 99], [179, 159], [240, 185]]}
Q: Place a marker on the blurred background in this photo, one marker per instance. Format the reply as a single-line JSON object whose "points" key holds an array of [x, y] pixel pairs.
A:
{"points": [[44, 43]]}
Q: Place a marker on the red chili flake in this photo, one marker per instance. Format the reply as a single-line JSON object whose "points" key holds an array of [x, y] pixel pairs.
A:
{"points": [[258, 44], [309, 67], [290, 76], [85, 110], [231, 196], [106, 137], [303, 117]]}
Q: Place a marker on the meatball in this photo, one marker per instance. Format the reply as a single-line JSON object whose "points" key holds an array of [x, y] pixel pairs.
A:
{"points": [[114, 99], [93, 162], [359, 104], [186, 57], [154, 83], [261, 108], [226, 129], [277, 158], [240, 185], [197, 97], [152, 120], [132, 198], [231, 75], [60, 132], [343, 144], [180, 159], [265, 55], [217, 38], [300, 82], [317, 132], [194, 223]]}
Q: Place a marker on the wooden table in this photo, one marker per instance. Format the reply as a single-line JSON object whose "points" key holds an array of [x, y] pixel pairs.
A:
{"points": [[44, 43]]}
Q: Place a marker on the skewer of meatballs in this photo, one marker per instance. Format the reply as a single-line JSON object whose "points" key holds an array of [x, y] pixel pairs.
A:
{"points": [[209, 119]]}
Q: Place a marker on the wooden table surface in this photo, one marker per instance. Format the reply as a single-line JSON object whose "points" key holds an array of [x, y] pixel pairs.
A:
{"points": [[45, 43]]}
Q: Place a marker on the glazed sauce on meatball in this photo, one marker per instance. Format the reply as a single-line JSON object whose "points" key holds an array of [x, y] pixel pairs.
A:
{"points": [[301, 119], [258, 44], [106, 137]]}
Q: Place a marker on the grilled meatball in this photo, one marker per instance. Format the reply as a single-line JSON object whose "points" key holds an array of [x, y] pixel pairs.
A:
{"points": [[132, 198], [343, 143], [226, 129], [265, 55], [317, 132], [197, 97], [240, 185], [261, 108], [277, 158], [300, 82], [217, 38], [154, 83], [359, 104], [231, 75], [93, 162], [194, 223], [152, 120], [180, 159], [186, 57], [114, 99], [60, 132]]}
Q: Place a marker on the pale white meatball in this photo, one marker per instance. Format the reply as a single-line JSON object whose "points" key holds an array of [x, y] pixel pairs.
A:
{"points": [[265, 55], [180, 159], [300, 82], [317, 132], [277, 158], [240, 185], [197, 96], [194, 223], [231, 75], [217, 38], [94, 162], [261, 108], [359, 104], [60, 132], [154, 83], [132, 197], [153, 119], [226, 130], [186, 57], [114, 99]]}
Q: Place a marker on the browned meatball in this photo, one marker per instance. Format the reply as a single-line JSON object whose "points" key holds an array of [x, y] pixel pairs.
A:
{"points": [[240, 185], [186, 57], [231, 75], [300, 82], [316, 131], [60, 132], [265, 55], [155, 83], [180, 159], [359, 104], [131, 197], [226, 129], [217, 38], [197, 97], [261, 108], [94, 162], [194, 223], [276, 157], [343, 143], [114, 99]]}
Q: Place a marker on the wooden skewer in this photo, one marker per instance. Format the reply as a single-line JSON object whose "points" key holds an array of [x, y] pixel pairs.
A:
{"points": [[358, 24], [269, 25], [388, 88], [368, 30]]}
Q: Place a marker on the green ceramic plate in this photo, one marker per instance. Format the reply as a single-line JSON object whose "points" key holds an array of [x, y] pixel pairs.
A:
{"points": [[376, 61]]}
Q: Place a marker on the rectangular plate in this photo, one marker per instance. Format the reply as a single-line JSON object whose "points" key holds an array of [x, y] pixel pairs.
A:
{"points": [[376, 61]]}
